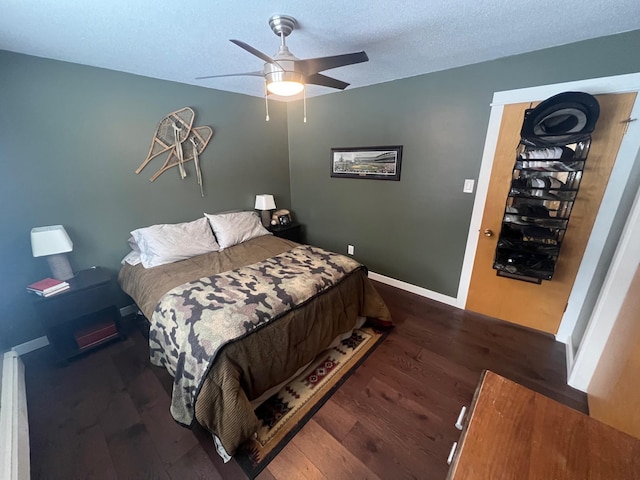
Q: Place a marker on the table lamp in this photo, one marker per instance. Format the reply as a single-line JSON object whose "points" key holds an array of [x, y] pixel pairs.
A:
{"points": [[265, 204], [53, 242]]}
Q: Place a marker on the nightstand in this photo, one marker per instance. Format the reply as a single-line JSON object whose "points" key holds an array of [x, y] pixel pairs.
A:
{"points": [[292, 232], [82, 317]]}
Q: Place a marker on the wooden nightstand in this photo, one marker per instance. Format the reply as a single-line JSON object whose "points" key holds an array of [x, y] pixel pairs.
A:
{"points": [[82, 317], [292, 232]]}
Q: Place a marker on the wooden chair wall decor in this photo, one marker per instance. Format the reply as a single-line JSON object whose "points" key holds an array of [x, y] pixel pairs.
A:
{"points": [[174, 134]]}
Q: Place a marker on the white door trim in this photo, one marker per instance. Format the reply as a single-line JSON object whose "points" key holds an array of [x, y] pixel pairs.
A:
{"points": [[482, 189], [614, 291], [624, 162]]}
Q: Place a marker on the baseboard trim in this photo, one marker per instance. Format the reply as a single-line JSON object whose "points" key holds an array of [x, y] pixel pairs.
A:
{"points": [[408, 287], [31, 345], [128, 310], [568, 344]]}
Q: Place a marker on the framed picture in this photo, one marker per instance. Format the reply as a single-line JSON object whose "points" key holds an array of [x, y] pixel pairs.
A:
{"points": [[378, 163], [284, 220]]}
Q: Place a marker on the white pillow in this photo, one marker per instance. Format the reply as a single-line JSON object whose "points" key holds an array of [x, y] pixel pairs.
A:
{"points": [[132, 258], [166, 243], [133, 245], [236, 227]]}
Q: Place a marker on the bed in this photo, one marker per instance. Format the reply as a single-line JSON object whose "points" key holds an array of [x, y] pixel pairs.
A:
{"points": [[180, 299]]}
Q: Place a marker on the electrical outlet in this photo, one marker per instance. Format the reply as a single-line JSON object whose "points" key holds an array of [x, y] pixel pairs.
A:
{"points": [[350, 249]]}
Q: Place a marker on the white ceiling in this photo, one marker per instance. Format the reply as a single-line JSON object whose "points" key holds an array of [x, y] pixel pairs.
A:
{"points": [[180, 40]]}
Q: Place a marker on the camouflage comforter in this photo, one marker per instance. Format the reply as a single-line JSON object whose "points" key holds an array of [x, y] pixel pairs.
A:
{"points": [[247, 368], [194, 321]]}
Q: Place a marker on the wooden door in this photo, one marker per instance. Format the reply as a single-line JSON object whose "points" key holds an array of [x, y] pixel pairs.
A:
{"points": [[541, 306]]}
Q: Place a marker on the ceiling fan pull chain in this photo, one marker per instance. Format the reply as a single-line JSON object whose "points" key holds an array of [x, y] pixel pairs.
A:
{"points": [[304, 104], [266, 100]]}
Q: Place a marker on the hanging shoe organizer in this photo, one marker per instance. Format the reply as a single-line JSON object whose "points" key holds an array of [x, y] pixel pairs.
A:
{"points": [[544, 186]]}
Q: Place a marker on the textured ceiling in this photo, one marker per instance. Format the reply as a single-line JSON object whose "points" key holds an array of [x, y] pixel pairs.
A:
{"points": [[178, 41]]}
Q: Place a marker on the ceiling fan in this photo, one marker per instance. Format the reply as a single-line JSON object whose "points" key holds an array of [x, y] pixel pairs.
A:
{"points": [[287, 75]]}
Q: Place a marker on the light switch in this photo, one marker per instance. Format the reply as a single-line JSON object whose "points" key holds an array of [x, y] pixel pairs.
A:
{"points": [[468, 185]]}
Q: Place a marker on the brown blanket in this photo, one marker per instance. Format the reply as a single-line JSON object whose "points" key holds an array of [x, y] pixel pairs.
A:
{"points": [[147, 285], [245, 369]]}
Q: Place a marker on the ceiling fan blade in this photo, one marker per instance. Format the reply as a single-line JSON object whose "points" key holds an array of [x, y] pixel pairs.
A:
{"points": [[255, 52], [319, 79], [252, 74], [315, 65]]}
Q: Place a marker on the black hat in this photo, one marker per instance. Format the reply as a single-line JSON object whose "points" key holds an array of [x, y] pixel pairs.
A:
{"points": [[559, 120]]}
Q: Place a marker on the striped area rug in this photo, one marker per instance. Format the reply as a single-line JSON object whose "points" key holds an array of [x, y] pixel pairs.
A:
{"points": [[286, 412]]}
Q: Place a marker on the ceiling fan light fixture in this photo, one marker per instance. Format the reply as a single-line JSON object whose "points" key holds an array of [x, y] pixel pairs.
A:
{"points": [[285, 84], [285, 89], [286, 75]]}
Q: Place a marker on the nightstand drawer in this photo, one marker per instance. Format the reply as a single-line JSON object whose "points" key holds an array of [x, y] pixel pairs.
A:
{"points": [[60, 308]]}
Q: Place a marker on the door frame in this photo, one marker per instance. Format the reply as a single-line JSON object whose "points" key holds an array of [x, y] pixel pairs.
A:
{"points": [[629, 151], [610, 301]]}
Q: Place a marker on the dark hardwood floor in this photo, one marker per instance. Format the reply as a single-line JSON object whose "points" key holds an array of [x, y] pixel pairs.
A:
{"points": [[106, 415]]}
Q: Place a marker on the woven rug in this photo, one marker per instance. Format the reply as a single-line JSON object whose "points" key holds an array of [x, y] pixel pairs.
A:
{"points": [[286, 412]]}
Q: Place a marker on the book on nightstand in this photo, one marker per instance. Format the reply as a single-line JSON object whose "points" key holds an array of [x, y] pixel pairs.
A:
{"points": [[47, 287], [95, 334]]}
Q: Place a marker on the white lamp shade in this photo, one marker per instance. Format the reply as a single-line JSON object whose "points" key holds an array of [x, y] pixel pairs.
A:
{"points": [[50, 240], [265, 202]]}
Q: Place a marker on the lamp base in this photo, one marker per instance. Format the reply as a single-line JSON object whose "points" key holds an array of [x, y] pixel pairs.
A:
{"points": [[60, 267], [265, 216]]}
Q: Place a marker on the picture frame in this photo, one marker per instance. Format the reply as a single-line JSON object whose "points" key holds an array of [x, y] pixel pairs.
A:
{"points": [[376, 163], [284, 220]]}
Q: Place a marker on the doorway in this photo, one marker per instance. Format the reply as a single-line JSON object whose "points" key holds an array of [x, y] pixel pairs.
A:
{"points": [[541, 306], [598, 239]]}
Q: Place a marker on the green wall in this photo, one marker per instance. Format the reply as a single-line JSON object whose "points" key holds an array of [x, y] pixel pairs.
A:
{"points": [[416, 229], [71, 137]]}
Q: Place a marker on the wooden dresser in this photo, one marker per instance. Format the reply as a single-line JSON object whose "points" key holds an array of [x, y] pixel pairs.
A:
{"points": [[515, 433]]}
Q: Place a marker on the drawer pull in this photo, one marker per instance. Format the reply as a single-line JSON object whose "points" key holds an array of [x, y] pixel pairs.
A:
{"points": [[461, 418], [452, 452]]}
